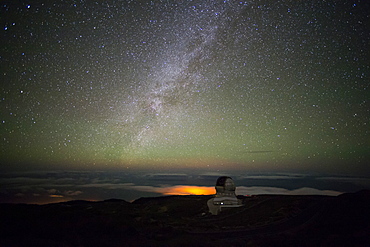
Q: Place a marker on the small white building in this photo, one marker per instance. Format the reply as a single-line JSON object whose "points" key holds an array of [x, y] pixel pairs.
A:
{"points": [[225, 196]]}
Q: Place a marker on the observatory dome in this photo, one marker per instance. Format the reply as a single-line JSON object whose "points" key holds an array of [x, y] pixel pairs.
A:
{"points": [[224, 184], [225, 196]]}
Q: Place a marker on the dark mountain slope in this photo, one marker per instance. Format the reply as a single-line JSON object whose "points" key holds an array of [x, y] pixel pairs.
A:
{"points": [[264, 220]]}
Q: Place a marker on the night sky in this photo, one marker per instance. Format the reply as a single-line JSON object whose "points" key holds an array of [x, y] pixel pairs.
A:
{"points": [[249, 86]]}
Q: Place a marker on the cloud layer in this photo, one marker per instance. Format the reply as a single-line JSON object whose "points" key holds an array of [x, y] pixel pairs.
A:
{"points": [[44, 187]]}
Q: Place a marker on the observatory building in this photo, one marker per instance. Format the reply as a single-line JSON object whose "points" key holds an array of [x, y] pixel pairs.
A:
{"points": [[225, 196]]}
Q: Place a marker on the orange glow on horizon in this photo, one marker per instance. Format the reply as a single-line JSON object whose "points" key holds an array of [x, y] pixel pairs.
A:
{"points": [[188, 190], [56, 196]]}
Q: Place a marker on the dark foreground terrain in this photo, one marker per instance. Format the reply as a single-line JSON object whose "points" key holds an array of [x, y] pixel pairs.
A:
{"points": [[265, 220]]}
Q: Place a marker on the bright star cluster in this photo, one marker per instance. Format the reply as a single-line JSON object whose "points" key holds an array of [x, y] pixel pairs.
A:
{"points": [[271, 85]]}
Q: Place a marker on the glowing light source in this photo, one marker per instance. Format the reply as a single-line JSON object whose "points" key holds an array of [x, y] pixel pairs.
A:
{"points": [[189, 190], [56, 196]]}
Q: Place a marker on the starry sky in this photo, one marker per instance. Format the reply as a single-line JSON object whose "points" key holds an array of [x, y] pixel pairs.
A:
{"points": [[201, 85]]}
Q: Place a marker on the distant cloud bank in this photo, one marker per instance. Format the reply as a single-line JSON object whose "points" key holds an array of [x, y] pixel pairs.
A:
{"points": [[50, 187], [281, 191]]}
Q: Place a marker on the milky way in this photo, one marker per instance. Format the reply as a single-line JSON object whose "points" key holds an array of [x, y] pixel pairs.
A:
{"points": [[270, 85]]}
